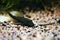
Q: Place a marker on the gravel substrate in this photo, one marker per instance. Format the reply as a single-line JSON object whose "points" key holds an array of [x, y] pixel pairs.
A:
{"points": [[45, 28]]}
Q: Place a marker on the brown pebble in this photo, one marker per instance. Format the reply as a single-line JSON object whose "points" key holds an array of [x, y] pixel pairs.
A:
{"points": [[34, 35], [8, 33], [18, 28], [18, 36], [59, 30], [2, 28]]}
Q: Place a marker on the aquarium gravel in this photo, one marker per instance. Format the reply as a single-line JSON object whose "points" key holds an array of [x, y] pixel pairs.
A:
{"points": [[42, 29]]}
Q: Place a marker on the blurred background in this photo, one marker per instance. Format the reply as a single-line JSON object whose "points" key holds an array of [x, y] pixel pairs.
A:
{"points": [[31, 4]]}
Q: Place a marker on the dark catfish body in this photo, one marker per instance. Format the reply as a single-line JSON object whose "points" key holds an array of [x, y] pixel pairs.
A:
{"points": [[24, 21]]}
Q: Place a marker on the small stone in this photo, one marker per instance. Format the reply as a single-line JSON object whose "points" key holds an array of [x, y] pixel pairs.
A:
{"points": [[42, 30], [59, 30], [3, 25], [59, 21], [55, 35], [56, 28], [58, 38], [28, 31], [18, 36], [18, 28], [37, 18], [34, 35], [8, 33], [5, 22]]}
